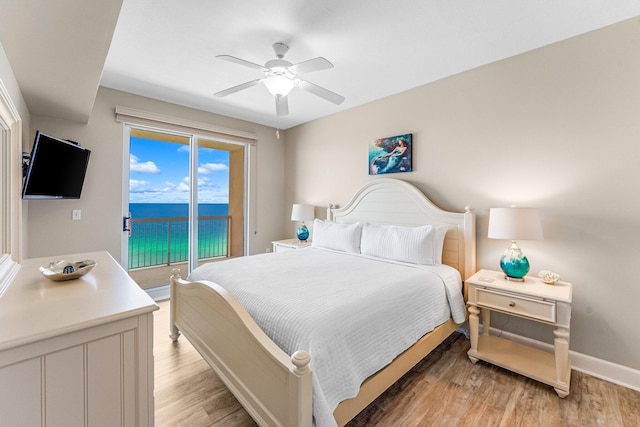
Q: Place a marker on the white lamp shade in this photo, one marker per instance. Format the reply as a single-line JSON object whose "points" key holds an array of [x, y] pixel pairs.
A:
{"points": [[515, 224], [279, 85], [302, 212]]}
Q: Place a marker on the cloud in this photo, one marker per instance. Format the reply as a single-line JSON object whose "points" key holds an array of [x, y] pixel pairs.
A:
{"points": [[204, 183], [182, 187], [136, 185], [207, 168], [168, 187], [146, 167]]}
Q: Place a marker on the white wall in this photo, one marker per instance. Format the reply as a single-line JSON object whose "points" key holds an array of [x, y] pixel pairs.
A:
{"points": [[50, 229], [558, 129]]}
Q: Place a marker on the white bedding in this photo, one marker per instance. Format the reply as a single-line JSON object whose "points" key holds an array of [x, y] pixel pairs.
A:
{"points": [[352, 313]]}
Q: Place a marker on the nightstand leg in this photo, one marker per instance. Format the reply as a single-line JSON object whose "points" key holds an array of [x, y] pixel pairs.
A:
{"points": [[473, 330], [561, 344], [486, 321]]}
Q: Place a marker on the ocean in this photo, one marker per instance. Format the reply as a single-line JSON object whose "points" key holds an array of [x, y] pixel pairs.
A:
{"points": [[163, 210], [159, 233]]}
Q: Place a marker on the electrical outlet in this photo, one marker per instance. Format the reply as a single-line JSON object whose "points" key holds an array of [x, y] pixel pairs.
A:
{"points": [[76, 214]]}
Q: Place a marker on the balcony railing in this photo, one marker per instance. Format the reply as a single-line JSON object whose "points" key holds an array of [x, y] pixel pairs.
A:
{"points": [[163, 241]]}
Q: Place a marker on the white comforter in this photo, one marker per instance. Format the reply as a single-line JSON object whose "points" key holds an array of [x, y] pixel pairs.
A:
{"points": [[353, 314]]}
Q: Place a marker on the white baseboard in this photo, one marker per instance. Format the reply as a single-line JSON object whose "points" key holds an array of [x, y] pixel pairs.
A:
{"points": [[608, 371]]}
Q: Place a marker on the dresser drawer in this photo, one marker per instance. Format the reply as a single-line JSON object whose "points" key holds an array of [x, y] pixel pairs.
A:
{"points": [[518, 305]]}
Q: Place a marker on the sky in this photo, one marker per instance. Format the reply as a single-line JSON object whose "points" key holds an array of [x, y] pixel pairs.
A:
{"points": [[159, 173]]}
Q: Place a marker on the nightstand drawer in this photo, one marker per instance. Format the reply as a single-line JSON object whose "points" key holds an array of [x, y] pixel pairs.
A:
{"points": [[518, 305], [290, 245]]}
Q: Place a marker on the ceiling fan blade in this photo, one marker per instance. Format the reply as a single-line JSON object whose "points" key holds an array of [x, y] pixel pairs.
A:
{"points": [[238, 88], [315, 64], [241, 62], [282, 106], [321, 92]]}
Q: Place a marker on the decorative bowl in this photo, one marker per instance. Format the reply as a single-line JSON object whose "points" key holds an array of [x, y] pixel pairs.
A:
{"points": [[67, 270]]}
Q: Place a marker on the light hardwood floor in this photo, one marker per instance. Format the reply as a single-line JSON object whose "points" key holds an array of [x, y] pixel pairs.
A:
{"points": [[445, 389]]}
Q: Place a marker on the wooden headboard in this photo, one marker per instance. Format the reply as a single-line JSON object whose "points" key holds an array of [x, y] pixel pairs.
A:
{"points": [[392, 201]]}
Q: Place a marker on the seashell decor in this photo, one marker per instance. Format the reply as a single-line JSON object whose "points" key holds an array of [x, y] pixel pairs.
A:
{"points": [[65, 270], [549, 277]]}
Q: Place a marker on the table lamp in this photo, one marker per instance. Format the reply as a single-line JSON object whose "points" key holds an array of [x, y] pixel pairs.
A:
{"points": [[514, 224], [301, 213]]}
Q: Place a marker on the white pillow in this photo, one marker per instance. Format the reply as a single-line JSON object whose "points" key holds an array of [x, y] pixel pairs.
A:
{"points": [[339, 237], [441, 232], [416, 245]]}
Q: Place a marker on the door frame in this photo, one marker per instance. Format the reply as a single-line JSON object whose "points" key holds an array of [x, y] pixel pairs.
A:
{"points": [[194, 139]]}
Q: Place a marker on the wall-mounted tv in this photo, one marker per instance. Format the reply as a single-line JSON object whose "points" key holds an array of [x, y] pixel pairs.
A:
{"points": [[56, 169]]}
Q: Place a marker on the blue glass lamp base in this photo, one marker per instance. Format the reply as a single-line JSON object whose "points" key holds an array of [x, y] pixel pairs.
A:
{"points": [[514, 264], [303, 233]]}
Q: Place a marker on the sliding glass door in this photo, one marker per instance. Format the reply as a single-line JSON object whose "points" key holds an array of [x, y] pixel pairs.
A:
{"points": [[185, 204]]}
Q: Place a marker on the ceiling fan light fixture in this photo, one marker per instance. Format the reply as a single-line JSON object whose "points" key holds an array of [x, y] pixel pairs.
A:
{"points": [[279, 85], [280, 77]]}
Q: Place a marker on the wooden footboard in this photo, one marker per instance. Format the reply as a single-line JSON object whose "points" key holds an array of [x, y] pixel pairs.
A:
{"points": [[272, 386]]}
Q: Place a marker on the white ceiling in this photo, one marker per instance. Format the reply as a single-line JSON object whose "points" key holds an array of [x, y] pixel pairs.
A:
{"points": [[165, 49], [57, 51]]}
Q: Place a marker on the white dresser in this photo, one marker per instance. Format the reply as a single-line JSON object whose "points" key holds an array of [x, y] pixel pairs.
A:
{"points": [[78, 352]]}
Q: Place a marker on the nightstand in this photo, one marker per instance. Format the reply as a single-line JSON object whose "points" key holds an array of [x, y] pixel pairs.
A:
{"points": [[289, 244], [533, 300]]}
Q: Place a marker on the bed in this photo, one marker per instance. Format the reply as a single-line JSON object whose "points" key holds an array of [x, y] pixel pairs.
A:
{"points": [[276, 386]]}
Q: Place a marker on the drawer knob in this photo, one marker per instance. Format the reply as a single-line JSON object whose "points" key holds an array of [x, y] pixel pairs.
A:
{"points": [[512, 304]]}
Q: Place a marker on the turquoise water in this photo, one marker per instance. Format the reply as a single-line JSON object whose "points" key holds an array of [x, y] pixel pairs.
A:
{"points": [[165, 240], [156, 210]]}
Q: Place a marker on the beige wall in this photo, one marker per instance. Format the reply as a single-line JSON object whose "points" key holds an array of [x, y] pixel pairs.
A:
{"points": [[558, 129], [50, 228]]}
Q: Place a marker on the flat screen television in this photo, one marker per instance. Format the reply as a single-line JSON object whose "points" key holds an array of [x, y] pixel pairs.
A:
{"points": [[56, 169]]}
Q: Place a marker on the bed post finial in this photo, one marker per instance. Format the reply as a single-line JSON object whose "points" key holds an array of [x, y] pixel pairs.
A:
{"points": [[175, 273], [330, 211], [301, 360], [470, 243], [300, 405]]}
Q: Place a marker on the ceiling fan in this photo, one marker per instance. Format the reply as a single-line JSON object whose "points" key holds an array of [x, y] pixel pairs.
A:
{"points": [[280, 77]]}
